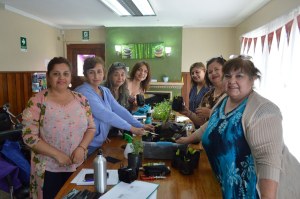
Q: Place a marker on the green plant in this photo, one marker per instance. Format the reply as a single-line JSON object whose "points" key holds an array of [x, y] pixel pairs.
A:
{"points": [[186, 159], [161, 110], [137, 147], [176, 96], [177, 152], [192, 151]]}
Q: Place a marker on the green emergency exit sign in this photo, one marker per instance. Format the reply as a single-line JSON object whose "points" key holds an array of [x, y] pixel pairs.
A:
{"points": [[85, 35], [23, 44]]}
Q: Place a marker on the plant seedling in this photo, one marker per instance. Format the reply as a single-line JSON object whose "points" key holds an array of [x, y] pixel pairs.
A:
{"points": [[137, 147], [192, 151], [186, 159]]}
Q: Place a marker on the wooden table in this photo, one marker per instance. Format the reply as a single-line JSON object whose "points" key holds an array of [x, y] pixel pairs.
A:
{"points": [[202, 184]]}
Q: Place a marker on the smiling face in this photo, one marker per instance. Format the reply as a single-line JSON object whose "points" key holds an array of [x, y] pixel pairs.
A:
{"points": [[142, 73], [238, 85], [215, 73], [197, 75], [118, 77], [60, 77], [95, 75]]}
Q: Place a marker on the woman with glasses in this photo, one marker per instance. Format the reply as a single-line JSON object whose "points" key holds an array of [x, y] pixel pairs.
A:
{"points": [[243, 140], [139, 82], [213, 79], [106, 110], [198, 90], [117, 83]]}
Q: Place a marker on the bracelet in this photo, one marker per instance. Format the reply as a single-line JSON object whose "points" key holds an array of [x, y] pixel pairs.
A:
{"points": [[82, 147]]}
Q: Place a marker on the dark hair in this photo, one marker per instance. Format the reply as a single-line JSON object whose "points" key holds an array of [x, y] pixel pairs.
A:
{"points": [[108, 84], [196, 65], [219, 60], [145, 82], [246, 66], [58, 60], [91, 62]]}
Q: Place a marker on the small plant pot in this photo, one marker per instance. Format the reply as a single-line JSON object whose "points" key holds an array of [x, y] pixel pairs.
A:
{"points": [[187, 168], [177, 103], [177, 160], [148, 138], [135, 161], [158, 129], [194, 158], [166, 79]]}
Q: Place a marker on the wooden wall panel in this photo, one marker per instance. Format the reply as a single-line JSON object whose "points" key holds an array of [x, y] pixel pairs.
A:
{"points": [[15, 89], [186, 87]]}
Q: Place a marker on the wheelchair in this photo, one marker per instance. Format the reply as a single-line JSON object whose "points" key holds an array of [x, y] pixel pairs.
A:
{"points": [[15, 135]]}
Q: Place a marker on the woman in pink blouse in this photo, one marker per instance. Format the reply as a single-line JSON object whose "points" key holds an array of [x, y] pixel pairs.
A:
{"points": [[58, 126]]}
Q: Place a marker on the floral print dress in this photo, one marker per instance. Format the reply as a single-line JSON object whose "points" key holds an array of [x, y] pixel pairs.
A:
{"points": [[62, 127], [229, 153]]}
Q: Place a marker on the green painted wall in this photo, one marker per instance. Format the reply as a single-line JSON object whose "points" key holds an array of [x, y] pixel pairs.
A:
{"points": [[171, 36]]}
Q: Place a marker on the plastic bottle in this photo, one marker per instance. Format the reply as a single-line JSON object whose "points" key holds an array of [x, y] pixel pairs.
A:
{"points": [[35, 84], [148, 119], [100, 173], [128, 148]]}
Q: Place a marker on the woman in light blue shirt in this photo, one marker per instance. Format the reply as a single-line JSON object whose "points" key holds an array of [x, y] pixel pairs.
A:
{"points": [[106, 110]]}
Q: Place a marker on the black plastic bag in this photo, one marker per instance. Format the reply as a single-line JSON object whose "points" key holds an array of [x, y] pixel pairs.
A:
{"points": [[156, 170]]}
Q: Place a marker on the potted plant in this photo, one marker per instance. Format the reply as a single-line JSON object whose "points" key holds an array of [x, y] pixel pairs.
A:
{"points": [[177, 103], [161, 111], [135, 158]]}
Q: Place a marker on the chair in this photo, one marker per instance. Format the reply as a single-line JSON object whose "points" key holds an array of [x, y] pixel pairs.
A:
{"points": [[14, 135]]}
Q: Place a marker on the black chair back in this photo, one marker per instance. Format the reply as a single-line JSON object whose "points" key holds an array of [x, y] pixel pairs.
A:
{"points": [[5, 121]]}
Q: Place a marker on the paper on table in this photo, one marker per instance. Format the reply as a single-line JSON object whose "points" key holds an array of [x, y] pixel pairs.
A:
{"points": [[135, 190], [181, 118], [111, 180]]}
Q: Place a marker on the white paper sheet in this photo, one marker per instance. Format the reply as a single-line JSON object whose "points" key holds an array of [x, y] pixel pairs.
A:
{"points": [[181, 118], [136, 190], [111, 180]]}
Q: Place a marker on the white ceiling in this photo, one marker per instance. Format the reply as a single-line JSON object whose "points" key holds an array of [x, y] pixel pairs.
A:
{"points": [[72, 14]]}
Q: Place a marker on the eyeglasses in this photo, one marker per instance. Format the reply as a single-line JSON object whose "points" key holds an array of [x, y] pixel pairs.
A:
{"points": [[219, 56], [119, 65], [244, 57]]}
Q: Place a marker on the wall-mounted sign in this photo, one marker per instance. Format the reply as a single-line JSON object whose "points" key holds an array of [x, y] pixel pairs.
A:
{"points": [[143, 51], [23, 44], [85, 35]]}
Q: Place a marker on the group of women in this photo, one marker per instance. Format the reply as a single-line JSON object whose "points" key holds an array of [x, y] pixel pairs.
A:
{"points": [[240, 130], [63, 127]]}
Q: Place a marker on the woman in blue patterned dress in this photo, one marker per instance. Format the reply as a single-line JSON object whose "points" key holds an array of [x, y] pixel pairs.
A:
{"points": [[243, 140]]}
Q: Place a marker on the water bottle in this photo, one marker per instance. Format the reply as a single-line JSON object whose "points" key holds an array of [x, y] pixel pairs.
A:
{"points": [[100, 173], [148, 119]]}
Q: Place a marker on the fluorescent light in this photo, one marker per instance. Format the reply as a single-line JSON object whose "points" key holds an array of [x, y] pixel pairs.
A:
{"points": [[116, 7], [144, 6]]}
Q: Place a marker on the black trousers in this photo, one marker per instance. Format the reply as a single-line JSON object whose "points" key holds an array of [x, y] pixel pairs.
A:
{"points": [[53, 182]]}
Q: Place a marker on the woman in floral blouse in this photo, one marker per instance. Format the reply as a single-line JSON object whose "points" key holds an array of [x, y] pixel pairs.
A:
{"points": [[58, 126]]}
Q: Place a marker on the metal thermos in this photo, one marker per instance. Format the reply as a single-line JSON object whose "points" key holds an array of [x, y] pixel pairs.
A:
{"points": [[100, 173]]}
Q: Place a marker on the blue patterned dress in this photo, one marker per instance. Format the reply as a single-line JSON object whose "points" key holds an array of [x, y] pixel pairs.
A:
{"points": [[229, 153]]}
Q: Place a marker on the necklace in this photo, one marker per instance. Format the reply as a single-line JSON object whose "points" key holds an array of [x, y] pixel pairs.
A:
{"points": [[216, 96]]}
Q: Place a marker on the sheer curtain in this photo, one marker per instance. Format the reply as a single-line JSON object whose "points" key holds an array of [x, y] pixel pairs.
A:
{"points": [[280, 68]]}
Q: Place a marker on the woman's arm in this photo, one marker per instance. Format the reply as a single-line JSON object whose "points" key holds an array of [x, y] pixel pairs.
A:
{"points": [[268, 189], [264, 136], [195, 119], [79, 153]]}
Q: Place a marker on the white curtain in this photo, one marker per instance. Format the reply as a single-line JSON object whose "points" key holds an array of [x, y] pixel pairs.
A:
{"points": [[280, 70]]}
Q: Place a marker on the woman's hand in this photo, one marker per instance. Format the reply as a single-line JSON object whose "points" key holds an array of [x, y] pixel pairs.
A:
{"points": [[107, 140], [62, 159], [184, 111], [137, 131], [188, 140], [203, 112], [183, 140], [77, 155], [149, 127]]}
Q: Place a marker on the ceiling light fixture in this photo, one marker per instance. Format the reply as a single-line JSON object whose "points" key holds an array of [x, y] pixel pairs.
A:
{"points": [[130, 7]]}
